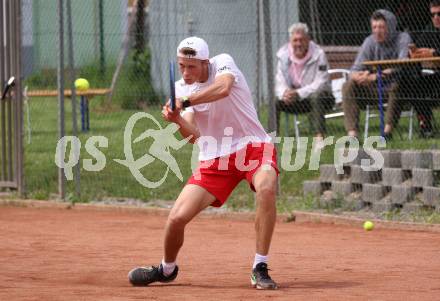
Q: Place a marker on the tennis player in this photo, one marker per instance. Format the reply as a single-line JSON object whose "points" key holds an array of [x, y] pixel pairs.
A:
{"points": [[213, 102]]}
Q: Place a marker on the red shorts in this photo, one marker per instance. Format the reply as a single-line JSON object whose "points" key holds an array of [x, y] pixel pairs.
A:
{"points": [[221, 175]]}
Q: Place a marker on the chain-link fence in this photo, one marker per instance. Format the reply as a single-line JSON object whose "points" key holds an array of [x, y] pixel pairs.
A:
{"points": [[123, 48]]}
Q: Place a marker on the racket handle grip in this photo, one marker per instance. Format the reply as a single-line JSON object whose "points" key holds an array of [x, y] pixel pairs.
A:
{"points": [[172, 87]]}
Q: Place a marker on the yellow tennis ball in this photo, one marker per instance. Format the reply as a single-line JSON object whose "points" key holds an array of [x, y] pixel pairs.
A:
{"points": [[81, 84], [368, 226]]}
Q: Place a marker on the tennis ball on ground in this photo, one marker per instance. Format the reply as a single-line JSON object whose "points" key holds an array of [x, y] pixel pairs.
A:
{"points": [[368, 226], [81, 84]]}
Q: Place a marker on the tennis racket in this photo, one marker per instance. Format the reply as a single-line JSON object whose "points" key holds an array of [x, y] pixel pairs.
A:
{"points": [[172, 87], [9, 85]]}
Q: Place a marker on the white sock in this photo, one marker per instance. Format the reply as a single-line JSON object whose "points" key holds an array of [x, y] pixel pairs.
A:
{"points": [[168, 267], [260, 258]]}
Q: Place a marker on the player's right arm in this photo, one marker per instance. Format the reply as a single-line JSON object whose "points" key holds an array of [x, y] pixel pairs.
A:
{"points": [[186, 122]]}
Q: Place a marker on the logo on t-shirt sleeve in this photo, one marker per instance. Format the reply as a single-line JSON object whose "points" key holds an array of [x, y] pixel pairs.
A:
{"points": [[223, 69]]}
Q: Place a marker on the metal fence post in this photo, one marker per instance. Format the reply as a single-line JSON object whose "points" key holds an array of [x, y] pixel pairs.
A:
{"points": [[269, 66], [60, 78], [18, 101], [2, 104], [76, 169]]}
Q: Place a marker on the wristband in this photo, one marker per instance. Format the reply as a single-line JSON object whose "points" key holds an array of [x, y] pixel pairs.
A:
{"points": [[186, 103]]}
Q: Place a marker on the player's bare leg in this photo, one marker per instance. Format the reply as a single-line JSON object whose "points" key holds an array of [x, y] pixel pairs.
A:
{"points": [[265, 182], [190, 202]]}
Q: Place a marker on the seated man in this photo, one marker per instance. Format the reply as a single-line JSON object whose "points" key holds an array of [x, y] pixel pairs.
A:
{"points": [[422, 89], [302, 83], [384, 43]]}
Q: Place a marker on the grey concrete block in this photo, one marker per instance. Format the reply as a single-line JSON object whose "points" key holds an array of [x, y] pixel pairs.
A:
{"points": [[422, 177], [372, 192], [401, 194], [360, 176], [431, 196], [327, 173], [382, 205], [361, 154], [373, 176], [312, 187], [357, 188], [393, 176], [412, 207], [342, 188], [436, 160], [416, 159], [392, 158], [346, 175], [356, 174]]}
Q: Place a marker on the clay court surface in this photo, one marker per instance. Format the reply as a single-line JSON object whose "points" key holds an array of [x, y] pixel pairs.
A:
{"points": [[61, 254]]}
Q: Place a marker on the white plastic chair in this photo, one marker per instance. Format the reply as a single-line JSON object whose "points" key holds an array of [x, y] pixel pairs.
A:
{"points": [[337, 83]]}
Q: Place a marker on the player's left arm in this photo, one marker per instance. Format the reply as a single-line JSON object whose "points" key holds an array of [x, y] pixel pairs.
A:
{"points": [[219, 89]]}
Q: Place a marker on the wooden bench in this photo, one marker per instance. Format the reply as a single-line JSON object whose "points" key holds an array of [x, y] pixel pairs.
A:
{"points": [[85, 96], [341, 57]]}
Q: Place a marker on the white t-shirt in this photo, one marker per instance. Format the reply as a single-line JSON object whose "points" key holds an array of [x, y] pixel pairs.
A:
{"points": [[228, 124]]}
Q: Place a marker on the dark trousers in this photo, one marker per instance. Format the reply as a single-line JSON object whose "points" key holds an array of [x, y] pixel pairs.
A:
{"points": [[317, 104], [422, 92]]}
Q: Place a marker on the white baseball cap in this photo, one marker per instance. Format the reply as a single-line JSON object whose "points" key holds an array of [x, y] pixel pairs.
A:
{"points": [[198, 45]]}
